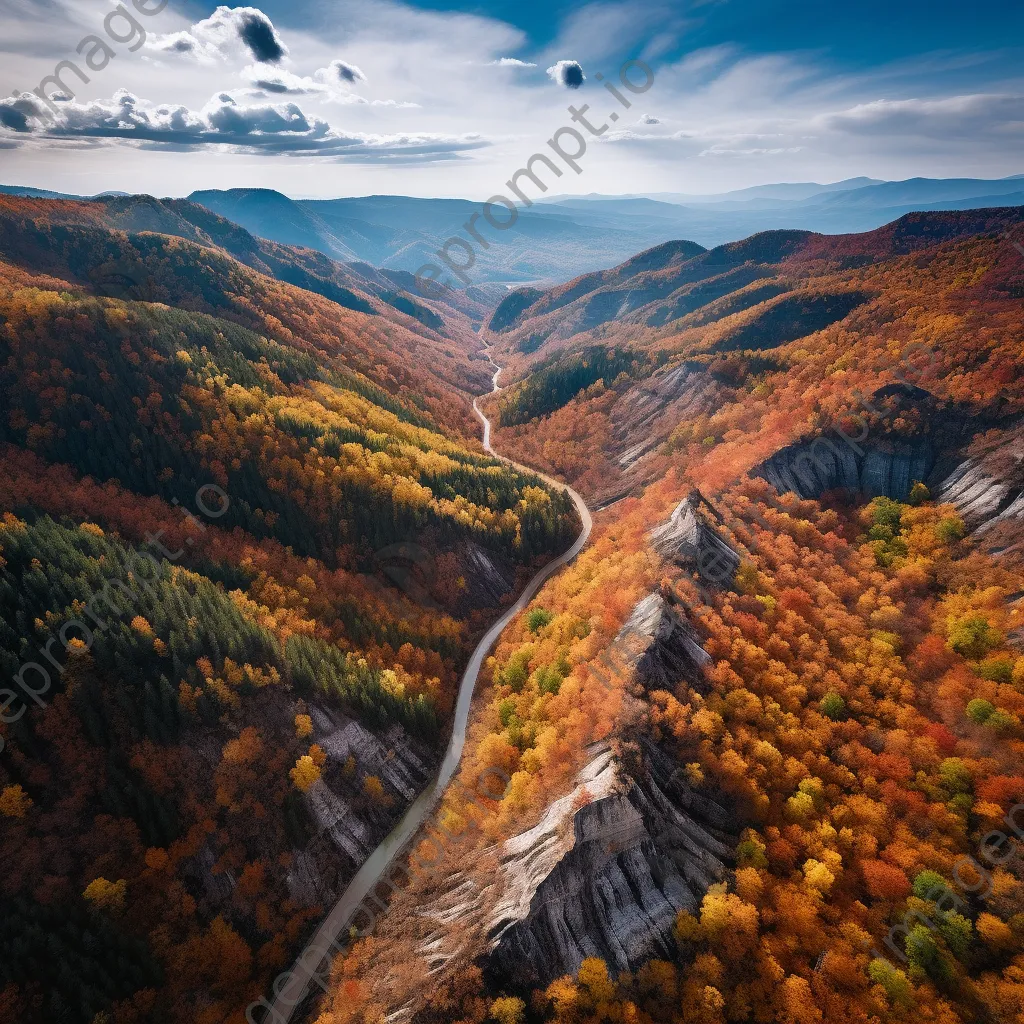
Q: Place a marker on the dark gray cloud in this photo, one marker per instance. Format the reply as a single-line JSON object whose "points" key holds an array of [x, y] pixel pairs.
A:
{"points": [[184, 44], [225, 31], [567, 73], [275, 87], [280, 82], [257, 31], [18, 113], [346, 72], [13, 118], [332, 81]]}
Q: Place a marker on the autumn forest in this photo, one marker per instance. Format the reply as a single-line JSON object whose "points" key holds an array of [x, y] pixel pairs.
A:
{"points": [[763, 736]]}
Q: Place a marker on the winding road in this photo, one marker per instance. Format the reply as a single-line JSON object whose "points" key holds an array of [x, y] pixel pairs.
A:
{"points": [[290, 988]]}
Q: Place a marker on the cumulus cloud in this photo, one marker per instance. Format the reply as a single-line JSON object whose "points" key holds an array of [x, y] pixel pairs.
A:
{"points": [[340, 71], [567, 73], [331, 84], [280, 82], [228, 29], [260, 127], [17, 113], [648, 119], [509, 62]]}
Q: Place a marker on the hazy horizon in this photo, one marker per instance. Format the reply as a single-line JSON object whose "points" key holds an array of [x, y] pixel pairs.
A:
{"points": [[553, 198]]}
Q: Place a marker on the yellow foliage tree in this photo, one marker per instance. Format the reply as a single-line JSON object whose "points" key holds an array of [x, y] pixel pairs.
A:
{"points": [[14, 802], [305, 773], [109, 896], [374, 788], [508, 1010]]}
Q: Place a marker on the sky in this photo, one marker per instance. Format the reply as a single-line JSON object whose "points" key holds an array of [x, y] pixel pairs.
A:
{"points": [[450, 97]]}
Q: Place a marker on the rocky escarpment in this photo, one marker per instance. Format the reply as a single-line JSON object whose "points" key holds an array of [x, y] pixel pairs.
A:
{"points": [[608, 868], [828, 463], [649, 411], [987, 489], [342, 824], [690, 540], [610, 865], [870, 458], [661, 646]]}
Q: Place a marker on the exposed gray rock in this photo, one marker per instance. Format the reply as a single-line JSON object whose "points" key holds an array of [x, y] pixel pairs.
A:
{"points": [[662, 647], [392, 757], [651, 409], [213, 887], [977, 494], [987, 489], [830, 463], [607, 870], [693, 543], [609, 865], [343, 838], [489, 578]]}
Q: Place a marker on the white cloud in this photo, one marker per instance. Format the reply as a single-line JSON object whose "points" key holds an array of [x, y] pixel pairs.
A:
{"points": [[228, 30], [265, 128], [976, 113], [280, 82], [509, 62]]}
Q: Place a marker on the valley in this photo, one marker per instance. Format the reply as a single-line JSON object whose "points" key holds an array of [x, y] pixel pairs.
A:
{"points": [[719, 589], [512, 512]]}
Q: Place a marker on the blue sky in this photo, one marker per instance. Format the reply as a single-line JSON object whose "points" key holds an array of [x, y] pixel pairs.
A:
{"points": [[449, 98], [864, 33]]}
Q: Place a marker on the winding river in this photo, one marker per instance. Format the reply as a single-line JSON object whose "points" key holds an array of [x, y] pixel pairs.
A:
{"points": [[291, 988]]}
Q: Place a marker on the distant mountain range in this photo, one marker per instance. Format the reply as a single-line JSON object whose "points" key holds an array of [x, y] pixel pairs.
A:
{"points": [[683, 284], [562, 237]]}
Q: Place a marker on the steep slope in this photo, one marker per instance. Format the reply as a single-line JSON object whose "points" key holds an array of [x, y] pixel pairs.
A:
{"points": [[244, 551], [75, 241], [754, 739], [812, 293]]}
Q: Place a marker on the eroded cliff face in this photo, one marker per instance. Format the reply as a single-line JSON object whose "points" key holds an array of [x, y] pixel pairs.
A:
{"points": [[342, 824], [977, 470], [661, 647], [898, 435], [987, 488], [610, 865], [811, 468], [608, 868], [690, 540], [650, 410]]}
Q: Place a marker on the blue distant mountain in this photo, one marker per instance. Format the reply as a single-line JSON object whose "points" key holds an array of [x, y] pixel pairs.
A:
{"points": [[563, 236]]}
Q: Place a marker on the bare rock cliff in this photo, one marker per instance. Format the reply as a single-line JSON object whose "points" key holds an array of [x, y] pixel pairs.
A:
{"points": [[342, 824], [607, 869], [690, 540]]}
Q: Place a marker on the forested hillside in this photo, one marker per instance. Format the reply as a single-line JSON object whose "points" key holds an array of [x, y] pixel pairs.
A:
{"points": [[247, 537], [802, 596], [796, 328]]}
